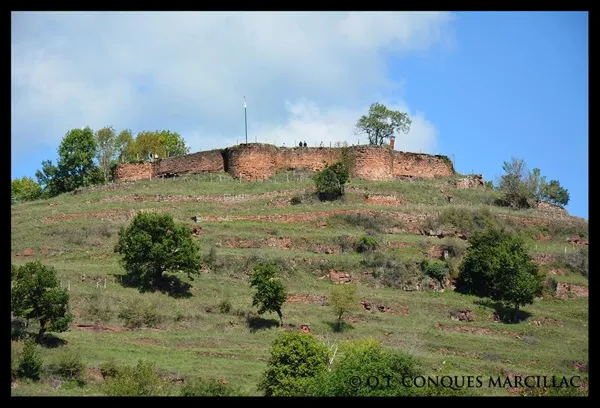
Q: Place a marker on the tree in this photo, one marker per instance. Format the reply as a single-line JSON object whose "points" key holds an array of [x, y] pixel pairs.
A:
{"points": [[554, 193], [36, 294], [270, 294], [498, 266], [295, 359], [125, 149], [343, 299], [106, 140], [76, 158], [371, 363], [330, 182], [153, 245], [536, 183], [148, 144], [174, 143], [24, 189], [381, 123], [48, 180], [516, 184]]}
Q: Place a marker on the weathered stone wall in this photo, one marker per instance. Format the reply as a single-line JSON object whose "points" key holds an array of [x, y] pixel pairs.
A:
{"points": [[419, 165], [133, 171], [309, 158], [261, 161], [371, 163], [210, 161]]}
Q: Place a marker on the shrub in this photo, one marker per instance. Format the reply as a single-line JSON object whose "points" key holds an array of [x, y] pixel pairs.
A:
{"points": [[370, 222], [67, 364], [225, 306], [137, 313], [575, 261], [436, 269], [456, 248], [109, 368], [211, 258], [366, 244], [208, 388], [141, 380], [345, 242], [331, 180], [98, 309], [295, 359], [363, 359], [30, 362], [295, 200]]}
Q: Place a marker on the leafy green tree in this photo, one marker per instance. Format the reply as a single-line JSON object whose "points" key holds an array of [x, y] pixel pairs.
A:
{"points": [[536, 183], [497, 265], [106, 140], [378, 370], [554, 193], [295, 359], [76, 157], [24, 189], [270, 293], [48, 179], [148, 144], [153, 245], [125, 146], [36, 295], [516, 184], [382, 123], [30, 362], [174, 144], [343, 299]]}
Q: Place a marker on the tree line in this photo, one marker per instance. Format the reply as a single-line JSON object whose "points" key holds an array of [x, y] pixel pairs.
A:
{"points": [[87, 158]]}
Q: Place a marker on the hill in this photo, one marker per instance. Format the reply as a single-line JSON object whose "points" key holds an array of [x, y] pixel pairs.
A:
{"points": [[239, 223]]}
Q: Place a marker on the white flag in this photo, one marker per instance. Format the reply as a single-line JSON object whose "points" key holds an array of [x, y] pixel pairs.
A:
{"points": [[244, 102]]}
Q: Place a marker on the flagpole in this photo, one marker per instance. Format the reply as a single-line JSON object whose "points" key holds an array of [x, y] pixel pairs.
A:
{"points": [[245, 120]]}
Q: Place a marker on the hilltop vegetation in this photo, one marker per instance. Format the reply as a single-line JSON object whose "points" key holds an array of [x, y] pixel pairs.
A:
{"points": [[402, 243]]}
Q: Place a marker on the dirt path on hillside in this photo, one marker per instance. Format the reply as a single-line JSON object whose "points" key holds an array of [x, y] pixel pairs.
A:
{"points": [[200, 198]]}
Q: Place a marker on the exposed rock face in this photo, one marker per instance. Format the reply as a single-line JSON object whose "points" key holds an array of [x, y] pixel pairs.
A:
{"points": [[474, 181], [260, 161]]}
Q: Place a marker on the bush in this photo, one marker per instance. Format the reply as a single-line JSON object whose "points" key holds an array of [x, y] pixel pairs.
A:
{"points": [[456, 248], [98, 309], [331, 180], [370, 222], [17, 329], [363, 359], [366, 244], [345, 242], [30, 362], [137, 313], [225, 306], [436, 269], [67, 364], [295, 358], [139, 381], [209, 388], [575, 261], [295, 200], [109, 368]]}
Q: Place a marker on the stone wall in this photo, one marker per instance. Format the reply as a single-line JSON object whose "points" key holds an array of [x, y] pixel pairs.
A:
{"points": [[261, 161], [210, 161], [133, 171]]}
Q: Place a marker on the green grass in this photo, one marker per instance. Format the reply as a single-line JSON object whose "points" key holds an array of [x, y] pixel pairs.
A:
{"points": [[195, 339]]}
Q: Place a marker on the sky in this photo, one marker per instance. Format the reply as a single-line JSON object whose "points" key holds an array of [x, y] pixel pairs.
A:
{"points": [[480, 87]]}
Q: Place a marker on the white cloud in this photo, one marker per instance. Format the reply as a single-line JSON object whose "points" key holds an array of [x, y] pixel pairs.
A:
{"points": [[305, 75]]}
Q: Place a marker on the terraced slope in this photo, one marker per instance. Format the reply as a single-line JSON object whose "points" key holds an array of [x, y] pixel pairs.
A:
{"points": [[313, 243]]}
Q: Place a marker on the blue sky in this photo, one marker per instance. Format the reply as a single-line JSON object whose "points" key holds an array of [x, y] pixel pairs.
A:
{"points": [[480, 86]]}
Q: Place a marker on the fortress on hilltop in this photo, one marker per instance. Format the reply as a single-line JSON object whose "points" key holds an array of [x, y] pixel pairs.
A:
{"points": [[256, 161]]}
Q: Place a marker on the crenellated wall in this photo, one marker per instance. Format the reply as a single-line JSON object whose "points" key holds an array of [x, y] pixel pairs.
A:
{"points": [[260, 161]]}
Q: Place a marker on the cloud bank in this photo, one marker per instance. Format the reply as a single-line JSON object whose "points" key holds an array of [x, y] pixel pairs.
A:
{"points": [[306, 76]]}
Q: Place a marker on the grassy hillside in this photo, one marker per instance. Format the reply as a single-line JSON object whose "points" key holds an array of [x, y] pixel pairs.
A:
{"points": [[245, 222]]}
